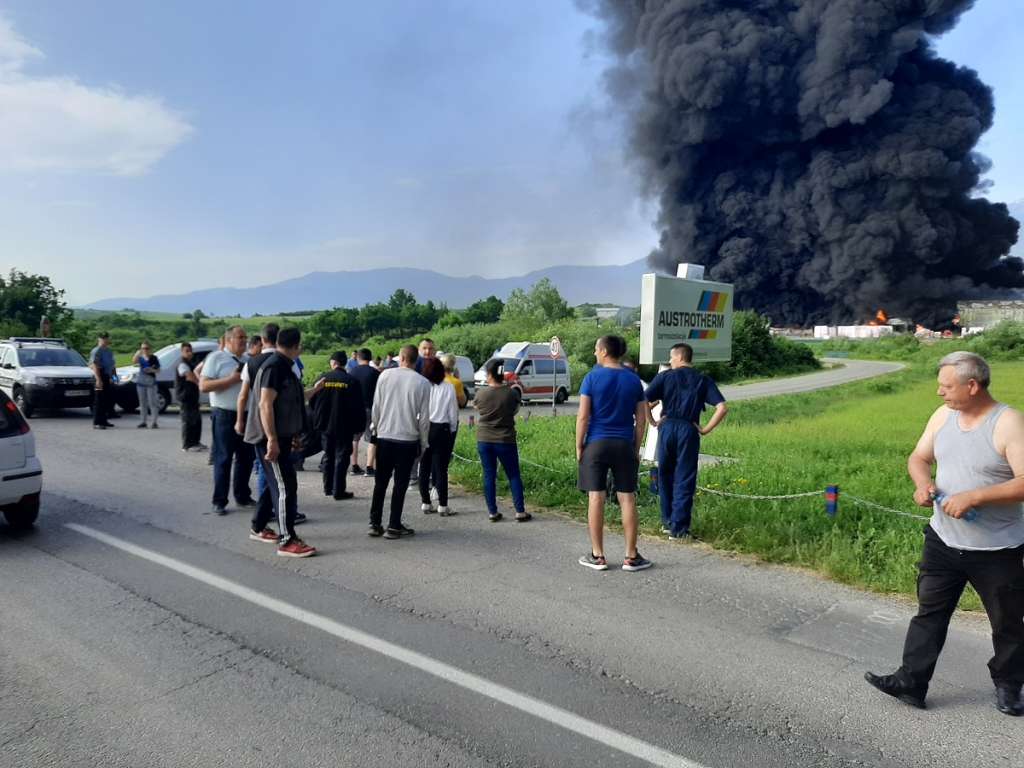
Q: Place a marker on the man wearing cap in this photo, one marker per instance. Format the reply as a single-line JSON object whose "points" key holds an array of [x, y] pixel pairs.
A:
{"points": [[101, 361], [338, 414]]}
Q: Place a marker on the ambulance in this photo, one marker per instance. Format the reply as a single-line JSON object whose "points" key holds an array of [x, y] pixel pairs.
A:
{"points": [[530, 368]]}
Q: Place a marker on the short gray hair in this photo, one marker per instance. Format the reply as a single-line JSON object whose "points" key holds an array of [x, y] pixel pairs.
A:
{"points": [[968, 366], [448, 361]]}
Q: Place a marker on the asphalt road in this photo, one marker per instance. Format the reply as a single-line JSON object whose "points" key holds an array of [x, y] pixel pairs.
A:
{"points": [[152, 633], [841, 371]]}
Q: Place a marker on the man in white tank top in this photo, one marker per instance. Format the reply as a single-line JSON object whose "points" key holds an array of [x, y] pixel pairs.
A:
{"points": [[976, 534]]}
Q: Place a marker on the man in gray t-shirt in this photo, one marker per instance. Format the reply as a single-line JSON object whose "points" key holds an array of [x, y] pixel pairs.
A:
{"points": [[976, 534]]}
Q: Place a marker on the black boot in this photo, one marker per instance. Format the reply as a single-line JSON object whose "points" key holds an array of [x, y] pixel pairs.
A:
{"points": [[1008, 701], [893, 685]]}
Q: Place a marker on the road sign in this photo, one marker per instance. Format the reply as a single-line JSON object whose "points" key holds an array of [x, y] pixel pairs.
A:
{"points": [[697, 312], [556, 347]]}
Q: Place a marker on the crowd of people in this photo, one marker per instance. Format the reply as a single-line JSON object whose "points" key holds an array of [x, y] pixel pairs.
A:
{"points": [[408, 413]]}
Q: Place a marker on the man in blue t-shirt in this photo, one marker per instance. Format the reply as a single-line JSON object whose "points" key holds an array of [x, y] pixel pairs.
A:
{"points": [[609, 432], [683, 394]]}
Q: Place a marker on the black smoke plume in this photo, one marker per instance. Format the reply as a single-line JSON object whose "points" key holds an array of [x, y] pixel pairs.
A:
{"points": [[816, 153]]}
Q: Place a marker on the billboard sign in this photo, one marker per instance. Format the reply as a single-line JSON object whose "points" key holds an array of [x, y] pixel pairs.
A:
{"points": [[698, 312]]}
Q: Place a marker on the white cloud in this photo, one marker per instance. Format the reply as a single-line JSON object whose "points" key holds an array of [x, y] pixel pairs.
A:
{"points": [[58, 124]]}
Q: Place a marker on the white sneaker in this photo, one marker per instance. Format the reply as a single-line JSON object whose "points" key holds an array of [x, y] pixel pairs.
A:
{"points": [[427, 509], [445, 511]]}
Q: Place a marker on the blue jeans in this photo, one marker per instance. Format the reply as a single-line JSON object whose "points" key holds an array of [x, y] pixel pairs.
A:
{"points": [[678, 451], [508, 455], [230, 452]]}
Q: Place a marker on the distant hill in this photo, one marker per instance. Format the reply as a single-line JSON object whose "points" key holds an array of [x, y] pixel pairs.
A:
{"points": [[617, 284]]}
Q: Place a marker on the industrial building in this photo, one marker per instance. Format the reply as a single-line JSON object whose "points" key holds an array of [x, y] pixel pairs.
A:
{"points": [[984, 313]]}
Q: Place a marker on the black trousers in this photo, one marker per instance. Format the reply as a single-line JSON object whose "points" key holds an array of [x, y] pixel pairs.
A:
{"points": [[393, 458], [334, 466], [103, 401], [434, 463], [998, 577], [279, 497], [191, 424]]}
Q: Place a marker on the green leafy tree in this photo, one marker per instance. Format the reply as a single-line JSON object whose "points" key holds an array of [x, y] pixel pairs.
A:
{"points": [[25, 299], [541, 304], [484, 311]]}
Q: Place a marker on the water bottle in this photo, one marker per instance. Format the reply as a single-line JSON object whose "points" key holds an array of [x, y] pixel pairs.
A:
{"points": [[940, 497]]}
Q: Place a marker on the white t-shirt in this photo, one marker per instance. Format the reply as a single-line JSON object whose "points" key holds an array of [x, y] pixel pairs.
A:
{"points": [[444, 405], [216, 366], [183, 369]]}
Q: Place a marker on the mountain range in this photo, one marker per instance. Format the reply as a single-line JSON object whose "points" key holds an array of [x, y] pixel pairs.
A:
{"points": [[612, 284]]}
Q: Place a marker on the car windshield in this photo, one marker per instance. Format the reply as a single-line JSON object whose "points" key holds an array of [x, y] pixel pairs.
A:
{"points": [[168, 355], [33, 358], [508, 365]]}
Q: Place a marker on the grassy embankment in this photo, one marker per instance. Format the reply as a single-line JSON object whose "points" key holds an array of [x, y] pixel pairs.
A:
{"points": [[857, 436]]}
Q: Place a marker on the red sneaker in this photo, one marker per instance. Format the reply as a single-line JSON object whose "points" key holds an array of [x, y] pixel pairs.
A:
{"points": [[267, 534], [296, 548]]}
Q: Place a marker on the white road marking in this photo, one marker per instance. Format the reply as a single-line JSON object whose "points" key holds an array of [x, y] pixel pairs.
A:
{"points": [[528, 704]]}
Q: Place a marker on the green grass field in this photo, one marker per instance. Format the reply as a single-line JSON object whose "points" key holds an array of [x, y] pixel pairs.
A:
{"points": [[856, 436]]}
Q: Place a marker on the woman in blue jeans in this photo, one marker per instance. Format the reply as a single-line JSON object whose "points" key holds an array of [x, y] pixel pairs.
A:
{"points": [[497, 405]]}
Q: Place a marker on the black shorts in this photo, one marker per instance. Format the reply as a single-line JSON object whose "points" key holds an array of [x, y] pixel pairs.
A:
{"points": [[600, 456]]}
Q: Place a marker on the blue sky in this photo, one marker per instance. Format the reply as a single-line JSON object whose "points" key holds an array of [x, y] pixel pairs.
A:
{"points": [[161, 147]]}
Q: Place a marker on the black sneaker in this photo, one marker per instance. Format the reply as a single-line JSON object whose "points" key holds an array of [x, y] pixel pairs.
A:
{"points": [[99, 426], [681, 536], [357, 470], [375, 531], [522, 517], [155, 426], [220, 510], [894, 686], [495, 517], [398, 533], [299, 518], [597, 562], [344, 496], [371, 472], [637, 563], [143, 425], [245, 503]]}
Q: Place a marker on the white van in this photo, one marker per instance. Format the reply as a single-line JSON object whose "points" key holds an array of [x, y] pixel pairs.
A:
{"points": [[530, 368]]}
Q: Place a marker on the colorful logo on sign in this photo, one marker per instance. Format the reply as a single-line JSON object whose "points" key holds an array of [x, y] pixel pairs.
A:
{"points": [[712, 301], [695, 334]]}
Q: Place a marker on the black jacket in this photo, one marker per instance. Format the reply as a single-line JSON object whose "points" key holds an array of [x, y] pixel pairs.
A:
{"points": [[187, 392], [338, 408]]}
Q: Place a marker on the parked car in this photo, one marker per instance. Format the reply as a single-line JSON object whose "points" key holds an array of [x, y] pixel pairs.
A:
{"points": [[21, 474], [44, 373], [464, 370], [530, 368], [127, 398]]}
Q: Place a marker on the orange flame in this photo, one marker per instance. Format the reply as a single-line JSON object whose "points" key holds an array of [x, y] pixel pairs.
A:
{"points": [[880, 318]]}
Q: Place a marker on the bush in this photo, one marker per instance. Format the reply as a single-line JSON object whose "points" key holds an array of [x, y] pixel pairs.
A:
{"points": [[756, 353]]}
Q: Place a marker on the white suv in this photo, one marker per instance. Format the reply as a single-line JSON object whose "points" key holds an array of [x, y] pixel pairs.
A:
{"points": [[21, 474], [44, 373]]}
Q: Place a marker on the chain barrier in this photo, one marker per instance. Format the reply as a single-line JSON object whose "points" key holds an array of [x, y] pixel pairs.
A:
{"points": [[831, 493]]}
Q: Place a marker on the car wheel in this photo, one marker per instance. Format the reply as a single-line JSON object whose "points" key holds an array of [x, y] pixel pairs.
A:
{"points": [[23, 515], [22, 402], [561, 396], [163, 399]]}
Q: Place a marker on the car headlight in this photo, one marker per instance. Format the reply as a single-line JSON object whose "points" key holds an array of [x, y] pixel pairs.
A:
{"points": [[126, 378], [37, 380]]}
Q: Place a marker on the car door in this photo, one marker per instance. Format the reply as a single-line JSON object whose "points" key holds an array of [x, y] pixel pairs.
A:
{"points": [[12, 442], [7, 370]]}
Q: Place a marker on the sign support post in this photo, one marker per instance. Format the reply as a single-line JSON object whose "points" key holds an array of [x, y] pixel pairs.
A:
{"points": [[556, 352]]}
